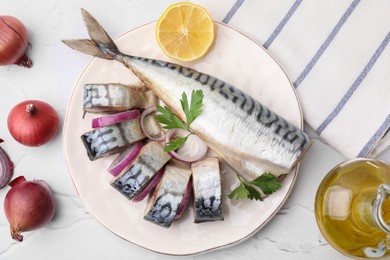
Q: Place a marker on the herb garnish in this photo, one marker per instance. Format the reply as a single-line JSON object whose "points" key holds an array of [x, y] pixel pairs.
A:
{"points": [[266, 182], [171, 121]]}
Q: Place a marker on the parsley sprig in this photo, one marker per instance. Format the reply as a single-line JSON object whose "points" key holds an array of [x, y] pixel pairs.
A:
{"points": [[170, 121], [266, 182]]}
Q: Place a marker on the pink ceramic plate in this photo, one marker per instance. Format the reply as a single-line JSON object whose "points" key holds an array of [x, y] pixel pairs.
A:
{"points": [[234, 58]]}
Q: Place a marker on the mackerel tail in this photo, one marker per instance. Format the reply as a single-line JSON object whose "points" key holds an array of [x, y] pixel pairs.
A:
{"points": [[100, 45]]}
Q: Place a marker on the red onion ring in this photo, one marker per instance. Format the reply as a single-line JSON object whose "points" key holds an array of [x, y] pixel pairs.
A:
{"points": [[192, 142], [125, 158], [6, 168], [142, 194], [146, 112], [184, 201], [115, 118]]}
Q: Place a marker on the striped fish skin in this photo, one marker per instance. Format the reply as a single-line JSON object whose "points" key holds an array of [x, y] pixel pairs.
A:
{"points": [[167, 196], [206, 180], [111, 139], [136, 176], [246, 134], [115, 97], [269, 143]]}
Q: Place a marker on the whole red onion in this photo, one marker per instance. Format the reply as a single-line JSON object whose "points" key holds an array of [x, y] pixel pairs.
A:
{"points": [[33, 122], [28, 205], [13, 42]]}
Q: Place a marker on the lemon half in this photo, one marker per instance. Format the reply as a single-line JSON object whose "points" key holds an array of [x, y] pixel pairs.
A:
{"points": [[185, 31]]}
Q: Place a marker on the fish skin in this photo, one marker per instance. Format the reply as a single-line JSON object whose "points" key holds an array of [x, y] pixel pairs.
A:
{"points": [[247, 135], [167, 196], [115, 97], [207, 190], [111, 139], [144, 167], [270, 143]]}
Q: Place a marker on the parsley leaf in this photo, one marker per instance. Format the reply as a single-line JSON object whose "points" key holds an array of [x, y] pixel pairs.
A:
{"points": [[171, 121], [266, 182], [185, 107], [175, 144], [168, 118], [253, 193], [195, 108], [240, 192]]}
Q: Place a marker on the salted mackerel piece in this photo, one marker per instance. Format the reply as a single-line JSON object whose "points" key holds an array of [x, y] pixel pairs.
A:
{"points": [[206, 181], [246, 134], [112, 139], [115, 97], [144, 167], [167, 196]]}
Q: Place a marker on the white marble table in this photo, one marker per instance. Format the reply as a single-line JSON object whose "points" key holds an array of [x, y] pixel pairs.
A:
{"points": [[74, 234]]}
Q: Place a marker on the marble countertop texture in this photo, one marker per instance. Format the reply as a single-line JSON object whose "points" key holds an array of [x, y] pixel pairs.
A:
{"points": [[75, 234]]}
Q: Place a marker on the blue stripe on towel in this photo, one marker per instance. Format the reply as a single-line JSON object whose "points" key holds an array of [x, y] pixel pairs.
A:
{"points": [[374, 139], [326, 43], [282, 23], [232, 11], [355, 84]]}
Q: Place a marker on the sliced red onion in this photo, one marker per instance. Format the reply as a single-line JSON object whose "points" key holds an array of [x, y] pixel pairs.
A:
{"points": [[146, 112], [142, 194], [184, 201], [6, 168], [115, 118], [125, 158], [193, 149]]}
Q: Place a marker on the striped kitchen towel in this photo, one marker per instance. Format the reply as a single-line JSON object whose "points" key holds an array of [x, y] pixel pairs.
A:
{"points": [[336, 54]]}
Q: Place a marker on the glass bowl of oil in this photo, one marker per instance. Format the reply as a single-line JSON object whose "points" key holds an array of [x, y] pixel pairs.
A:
{"points": [[344, 208]]}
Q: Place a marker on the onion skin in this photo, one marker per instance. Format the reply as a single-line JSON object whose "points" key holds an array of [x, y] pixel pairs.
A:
{"points": [[13, 42], [33, 126], [28, 205], [115, 118], [124, 159]]}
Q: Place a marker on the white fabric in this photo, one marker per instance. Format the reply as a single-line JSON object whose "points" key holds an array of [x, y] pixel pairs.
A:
{"points": [[337, 55]]}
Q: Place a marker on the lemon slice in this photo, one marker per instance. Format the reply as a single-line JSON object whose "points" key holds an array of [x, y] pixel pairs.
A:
{"points": [[185, 31]]}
